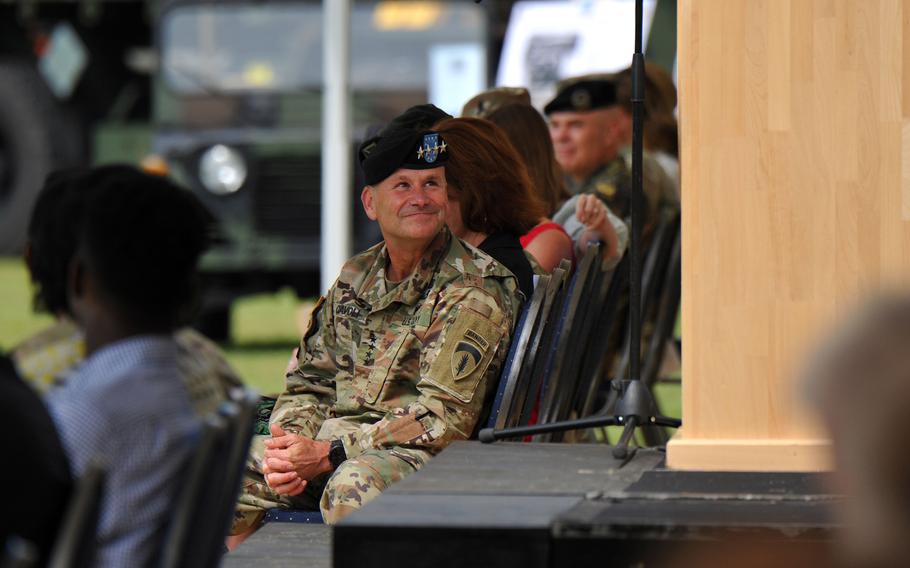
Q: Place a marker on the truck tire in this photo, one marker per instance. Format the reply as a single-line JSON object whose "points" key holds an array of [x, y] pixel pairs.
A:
{"points": [[36, 137]]}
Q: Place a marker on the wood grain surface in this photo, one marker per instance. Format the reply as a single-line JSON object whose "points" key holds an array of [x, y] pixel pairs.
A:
{"points": [[795, 165]]}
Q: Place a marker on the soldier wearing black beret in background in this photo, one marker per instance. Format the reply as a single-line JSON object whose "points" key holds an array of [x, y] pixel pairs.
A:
{"points": [[589, 129]]}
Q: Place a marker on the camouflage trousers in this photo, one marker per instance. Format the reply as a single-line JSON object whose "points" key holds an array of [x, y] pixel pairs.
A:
{"points": [[355, 483]]}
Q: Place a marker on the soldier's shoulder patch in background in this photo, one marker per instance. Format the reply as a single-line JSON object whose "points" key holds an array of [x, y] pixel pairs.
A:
{"points": [[605, 188]]}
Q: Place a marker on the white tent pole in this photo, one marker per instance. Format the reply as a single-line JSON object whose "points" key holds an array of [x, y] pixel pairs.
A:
{"points": [[336, 140]]}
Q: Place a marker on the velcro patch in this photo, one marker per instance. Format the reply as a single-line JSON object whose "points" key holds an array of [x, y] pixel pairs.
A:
{"points": [[468, 344]]}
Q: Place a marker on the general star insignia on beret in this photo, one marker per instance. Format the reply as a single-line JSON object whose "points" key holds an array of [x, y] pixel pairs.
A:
{"points": [[468, 354], [430, 148]]}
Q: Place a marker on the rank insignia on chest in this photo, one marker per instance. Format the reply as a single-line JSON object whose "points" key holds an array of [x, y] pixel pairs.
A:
{"points": [[468, 354]]}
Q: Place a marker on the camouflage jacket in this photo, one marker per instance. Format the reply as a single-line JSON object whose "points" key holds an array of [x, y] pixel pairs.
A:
{"points": [[408, 367], [612, 182]]}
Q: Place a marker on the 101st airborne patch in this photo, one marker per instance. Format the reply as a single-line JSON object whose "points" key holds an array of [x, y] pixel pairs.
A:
{"points": [[468, 354]]}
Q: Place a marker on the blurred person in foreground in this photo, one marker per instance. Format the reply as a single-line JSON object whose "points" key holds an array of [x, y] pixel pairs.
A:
{"points": [[859, 380], [400, 355], [130, 280], [48, 357], [27, 433]]}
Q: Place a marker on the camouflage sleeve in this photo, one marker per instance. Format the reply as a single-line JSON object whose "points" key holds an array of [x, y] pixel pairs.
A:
{"points": [[310, 389], [462, 354]]}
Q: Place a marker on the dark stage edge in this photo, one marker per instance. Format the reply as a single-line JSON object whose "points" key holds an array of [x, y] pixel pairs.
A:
{"points": [[538, 505]]}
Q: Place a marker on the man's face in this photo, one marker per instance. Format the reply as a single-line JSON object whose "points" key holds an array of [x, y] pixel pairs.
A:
{"points": [[410, 205], [584, 141]]}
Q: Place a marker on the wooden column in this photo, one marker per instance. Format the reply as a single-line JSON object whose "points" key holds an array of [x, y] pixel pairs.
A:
{"points": [[795, 138]]}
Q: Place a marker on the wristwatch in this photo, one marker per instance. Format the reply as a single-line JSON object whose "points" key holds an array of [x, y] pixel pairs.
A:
{"points": [[337, 455]]}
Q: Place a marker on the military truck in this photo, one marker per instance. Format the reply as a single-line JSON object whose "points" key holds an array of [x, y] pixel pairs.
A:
{"points": [[74, 83], [238, 113], [225, 97]]}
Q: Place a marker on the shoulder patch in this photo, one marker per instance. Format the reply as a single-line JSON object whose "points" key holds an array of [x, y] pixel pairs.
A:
{"points": [[466, 349], [468, 354]]}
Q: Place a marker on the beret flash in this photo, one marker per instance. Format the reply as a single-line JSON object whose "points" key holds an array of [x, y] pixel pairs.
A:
{"points": [[381, 155], [582, 96]]}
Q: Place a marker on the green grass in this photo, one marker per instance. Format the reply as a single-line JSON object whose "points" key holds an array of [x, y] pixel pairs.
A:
{"points": [[17, 319], [264, 332]]}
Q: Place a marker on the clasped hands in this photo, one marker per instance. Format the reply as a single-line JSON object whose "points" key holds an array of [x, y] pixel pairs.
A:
{"points": [[290, 461]]}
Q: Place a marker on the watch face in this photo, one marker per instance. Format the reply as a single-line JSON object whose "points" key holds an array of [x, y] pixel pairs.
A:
{"points": [[337, 455]]}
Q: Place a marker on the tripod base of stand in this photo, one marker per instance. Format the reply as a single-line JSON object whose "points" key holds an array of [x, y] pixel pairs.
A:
{"points": [[635, 408]]}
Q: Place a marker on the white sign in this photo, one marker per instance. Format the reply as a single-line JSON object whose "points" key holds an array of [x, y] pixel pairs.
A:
{"points": [[64, 61], [457, 73], [549, 41]]}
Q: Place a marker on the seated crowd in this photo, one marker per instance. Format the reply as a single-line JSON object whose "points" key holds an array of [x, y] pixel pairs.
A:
{"points": [[401, 353]]}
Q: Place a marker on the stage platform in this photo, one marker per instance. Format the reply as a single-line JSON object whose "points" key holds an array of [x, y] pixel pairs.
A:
{"points": [[540, 505]]}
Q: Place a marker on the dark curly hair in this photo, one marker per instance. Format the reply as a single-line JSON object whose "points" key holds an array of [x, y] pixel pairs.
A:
{"points": [[52, 235], [140, 235]]}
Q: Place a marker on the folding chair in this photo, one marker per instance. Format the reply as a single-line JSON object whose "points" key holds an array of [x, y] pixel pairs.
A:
{"points": [[653, 278], [199, 529], [504, 397], [665, 319], [596, 357], [563, 376], [240, 437], [538, 360], [193, 510], [75, 544]]}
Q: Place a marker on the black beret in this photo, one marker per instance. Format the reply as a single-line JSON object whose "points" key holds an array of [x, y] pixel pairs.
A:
{"points": [[583, 95], [381, 155], [418, 117]]}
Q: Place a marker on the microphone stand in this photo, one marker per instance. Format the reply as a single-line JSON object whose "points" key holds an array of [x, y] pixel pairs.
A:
{"points": [[635, 406]]}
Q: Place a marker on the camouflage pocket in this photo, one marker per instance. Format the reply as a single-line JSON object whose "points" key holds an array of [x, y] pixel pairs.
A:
{"points": [[382, 368]]}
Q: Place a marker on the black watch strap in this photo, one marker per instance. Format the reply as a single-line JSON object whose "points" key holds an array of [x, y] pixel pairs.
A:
{"points": [[337, 455]]}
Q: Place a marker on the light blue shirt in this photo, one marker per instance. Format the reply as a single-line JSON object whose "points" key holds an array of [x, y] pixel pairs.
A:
{"points": [[127, 406]]}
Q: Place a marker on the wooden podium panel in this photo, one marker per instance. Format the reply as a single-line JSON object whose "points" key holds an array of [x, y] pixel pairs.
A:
{"points": [[795, 139]]}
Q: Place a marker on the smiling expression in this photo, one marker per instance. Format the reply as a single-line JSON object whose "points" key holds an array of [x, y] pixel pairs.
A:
{"points": [[410, 205]]}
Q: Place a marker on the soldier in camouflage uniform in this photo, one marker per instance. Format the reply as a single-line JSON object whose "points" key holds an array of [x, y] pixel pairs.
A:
{"points": [[400, 354], [590, 130]]}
